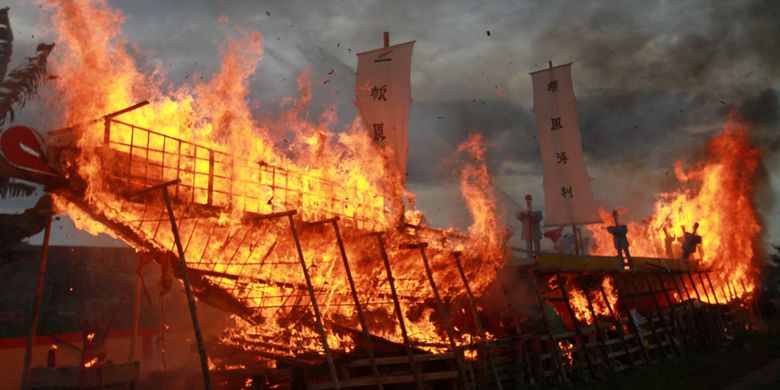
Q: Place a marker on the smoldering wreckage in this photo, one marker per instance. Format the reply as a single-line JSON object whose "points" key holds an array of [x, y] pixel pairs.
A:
{"points": [[323, 270]]}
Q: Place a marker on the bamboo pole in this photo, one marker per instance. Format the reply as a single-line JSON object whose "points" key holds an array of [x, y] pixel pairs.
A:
{"points": [[399, 314], [577, 331], [618, 326], [521, 345], [136, 315], [668, 329], [676, 321], [599, 334], [315, 307], [363, 325], [477, 322], [555, 349], [39, 288], [634, 326], [204, 364], [440, 303]]}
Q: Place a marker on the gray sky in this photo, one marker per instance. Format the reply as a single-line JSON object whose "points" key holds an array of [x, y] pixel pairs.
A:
{"points": [[654, 80]]}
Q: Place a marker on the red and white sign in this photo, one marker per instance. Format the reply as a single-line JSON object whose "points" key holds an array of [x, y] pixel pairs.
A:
{"points": [[23, 148]]}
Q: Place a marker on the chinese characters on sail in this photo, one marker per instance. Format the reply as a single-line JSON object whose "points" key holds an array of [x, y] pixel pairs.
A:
{"points": [[568, 194]]}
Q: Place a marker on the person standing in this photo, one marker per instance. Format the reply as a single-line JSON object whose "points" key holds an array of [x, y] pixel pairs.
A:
{"points": [[532, 232], [691, 242], [619, 234]]}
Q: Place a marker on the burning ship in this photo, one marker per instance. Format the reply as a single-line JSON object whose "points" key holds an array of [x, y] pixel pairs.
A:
{"points": [[315, 259]]}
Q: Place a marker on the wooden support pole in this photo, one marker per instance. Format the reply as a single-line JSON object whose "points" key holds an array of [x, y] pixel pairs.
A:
{"points": [[520, 345], [39, 288], [712, 288], [363, 325], [753, 304], [477, 322], [653, 329], [555, 350], [576, 235], [204, 364], [618, 326], [721, 314], [318, 317], [743, 310], [676, 320], [668, 329], [136, 314], [400, 315], [445, 317], [577, 331], [693, 286], [729, 305], [599, 332], [637, 330], [691, 309], [712, 321]]}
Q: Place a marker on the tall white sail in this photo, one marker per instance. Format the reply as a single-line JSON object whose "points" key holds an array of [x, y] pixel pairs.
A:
{"points": [[567, 192], [383, 98]]}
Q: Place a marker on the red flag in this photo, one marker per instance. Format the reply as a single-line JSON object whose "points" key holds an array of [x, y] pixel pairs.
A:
{"points": [[554, 234], [24, 148]]}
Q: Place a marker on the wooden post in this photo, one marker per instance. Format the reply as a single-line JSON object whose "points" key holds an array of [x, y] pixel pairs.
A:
{"points": [[691, 309], [753, 304], [318, 317], [653, 329], [577, 249], [637, 330], [521, 345], [39, 288], [554, 348], [599, 334], [676, 321], [136, 314], [720, 313], [400, 315], [709, 319], [668, 330], [618, 325], [440, 303], [477, 322], [363, 325], [204, 363], [577, 331]]}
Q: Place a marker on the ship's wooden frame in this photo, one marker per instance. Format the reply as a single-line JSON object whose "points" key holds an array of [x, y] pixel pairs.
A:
{"points": [[532, 353]]}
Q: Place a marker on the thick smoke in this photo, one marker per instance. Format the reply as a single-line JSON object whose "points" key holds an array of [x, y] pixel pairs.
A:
{"points": [[654, 80]]}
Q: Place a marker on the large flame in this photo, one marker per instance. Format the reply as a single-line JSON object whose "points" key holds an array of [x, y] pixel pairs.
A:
{"points": [[235, 166], [716, 193]]}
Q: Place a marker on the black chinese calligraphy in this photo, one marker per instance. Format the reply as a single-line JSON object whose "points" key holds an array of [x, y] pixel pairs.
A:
{"points": [[379, 131], [552, 86], [379, 93], [556, 124], [560, 158], [566, 192]]}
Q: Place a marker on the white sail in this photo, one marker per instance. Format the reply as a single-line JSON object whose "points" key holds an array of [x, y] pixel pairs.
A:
{"points": [[383, 98], [567, 192]]}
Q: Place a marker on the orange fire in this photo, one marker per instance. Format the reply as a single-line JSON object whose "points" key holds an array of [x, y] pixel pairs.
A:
{"points": [[718, 195], [567, 352], [234, 167]]}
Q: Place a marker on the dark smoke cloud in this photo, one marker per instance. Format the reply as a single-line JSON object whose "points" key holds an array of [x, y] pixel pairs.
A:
{"points": [[654, 80]]}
